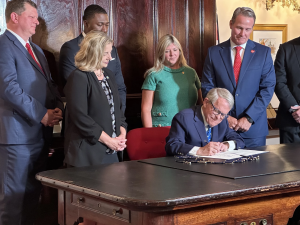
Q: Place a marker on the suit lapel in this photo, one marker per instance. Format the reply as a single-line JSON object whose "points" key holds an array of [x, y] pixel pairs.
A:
{"points": [[18, 44], [79, 39], [297, 51], [199, 125], [248, 56], [225, 53], [43, 62]]}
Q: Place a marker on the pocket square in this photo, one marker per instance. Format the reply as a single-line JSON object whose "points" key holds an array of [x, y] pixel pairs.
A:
{"points": [[112, 59]]}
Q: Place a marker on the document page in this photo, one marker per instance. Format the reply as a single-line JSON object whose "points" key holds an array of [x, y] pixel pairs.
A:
{"points": [[235, 154]]}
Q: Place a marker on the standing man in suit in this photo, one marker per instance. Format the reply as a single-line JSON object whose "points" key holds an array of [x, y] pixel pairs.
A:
{"points": [[94, 18], [203, 130], [29, 107], [245, 68], [287, 68]]}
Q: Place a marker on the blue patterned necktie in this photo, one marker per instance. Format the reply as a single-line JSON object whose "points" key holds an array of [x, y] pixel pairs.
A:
{"points": [[208, 133]]}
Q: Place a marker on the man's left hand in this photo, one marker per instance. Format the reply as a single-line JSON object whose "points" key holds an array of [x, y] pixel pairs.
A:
{"points": [[243, 125]]}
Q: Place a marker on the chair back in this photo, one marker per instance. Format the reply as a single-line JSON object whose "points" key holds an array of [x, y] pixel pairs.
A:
{"points": [[145, 143]]}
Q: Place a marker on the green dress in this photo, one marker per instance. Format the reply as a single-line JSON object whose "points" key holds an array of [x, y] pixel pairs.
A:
{"points": [[174, 90]]}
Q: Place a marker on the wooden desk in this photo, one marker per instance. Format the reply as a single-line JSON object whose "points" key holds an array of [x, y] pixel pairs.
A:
{"points": [[142, 194]]}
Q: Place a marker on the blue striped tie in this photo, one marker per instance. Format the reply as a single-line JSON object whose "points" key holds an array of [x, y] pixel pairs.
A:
{"points": [[208, 133]]}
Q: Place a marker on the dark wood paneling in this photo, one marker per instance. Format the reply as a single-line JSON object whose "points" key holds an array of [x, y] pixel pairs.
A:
{"points": [[134, 39], [194, 37], [58, 24]]}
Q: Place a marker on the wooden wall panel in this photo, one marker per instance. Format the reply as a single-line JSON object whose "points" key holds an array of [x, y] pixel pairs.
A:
{"points": [[134, 39], [58, 24], [194, 37]]}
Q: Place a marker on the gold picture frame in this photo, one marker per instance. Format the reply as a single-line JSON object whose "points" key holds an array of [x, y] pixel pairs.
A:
{"points": [[271, 27], [271, 35]]}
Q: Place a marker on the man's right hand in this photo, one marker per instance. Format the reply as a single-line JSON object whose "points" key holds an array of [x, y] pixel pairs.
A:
{"points": [[211, 148], [232, 122], [51, 118]]}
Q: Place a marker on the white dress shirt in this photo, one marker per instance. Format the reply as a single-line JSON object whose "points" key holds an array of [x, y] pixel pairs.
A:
{"points": [[233, 51], [194, 150], [24, 43]]}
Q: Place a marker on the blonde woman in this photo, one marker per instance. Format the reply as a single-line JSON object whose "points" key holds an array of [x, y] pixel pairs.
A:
{"points": [[96, 126], [170, 85]]}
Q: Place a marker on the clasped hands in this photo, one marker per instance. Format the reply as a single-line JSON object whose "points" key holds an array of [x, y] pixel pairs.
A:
{"points": [[213, 148], [117, 143], [52, 117], [241, 125], [296, 114]]}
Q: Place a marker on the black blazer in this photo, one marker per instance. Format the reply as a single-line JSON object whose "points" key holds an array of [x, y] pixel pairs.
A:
{"points": [[67, 65], [287, 67], [87, 115]]}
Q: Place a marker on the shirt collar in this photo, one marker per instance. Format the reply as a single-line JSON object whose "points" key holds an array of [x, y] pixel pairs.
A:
{"points": [[233, 45], [19, 38], [204, 119]]}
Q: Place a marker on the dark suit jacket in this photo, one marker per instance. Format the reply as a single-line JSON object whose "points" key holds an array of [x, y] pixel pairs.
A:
{"points": [[25, 93], [255, 87], [88, 114], [188, 130], [287, 67], [67, 65]]}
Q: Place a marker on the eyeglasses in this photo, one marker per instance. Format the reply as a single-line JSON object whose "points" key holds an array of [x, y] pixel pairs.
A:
{"points": [[217, 112]]}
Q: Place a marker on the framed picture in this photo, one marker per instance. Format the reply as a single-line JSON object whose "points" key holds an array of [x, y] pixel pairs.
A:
{"points": [[271, 35]]}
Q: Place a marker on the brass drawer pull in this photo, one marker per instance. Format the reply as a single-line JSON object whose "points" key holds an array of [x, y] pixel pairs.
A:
{"points": [[80, 200], [115, 212], [263, 222]]}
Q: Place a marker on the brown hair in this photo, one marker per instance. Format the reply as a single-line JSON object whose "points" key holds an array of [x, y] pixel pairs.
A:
{"points": [[17, 6]]}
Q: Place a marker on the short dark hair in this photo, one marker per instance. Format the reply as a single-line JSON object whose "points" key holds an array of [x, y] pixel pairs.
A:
{"points": [[91, 10], [17, 6]]}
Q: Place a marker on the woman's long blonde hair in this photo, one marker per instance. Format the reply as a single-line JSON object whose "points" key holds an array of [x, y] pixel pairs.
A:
{"points": [[91, 51], [159, 57]]}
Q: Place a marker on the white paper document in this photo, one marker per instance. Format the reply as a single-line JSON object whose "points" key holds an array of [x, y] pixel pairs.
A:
{"points": [[235, 154]]}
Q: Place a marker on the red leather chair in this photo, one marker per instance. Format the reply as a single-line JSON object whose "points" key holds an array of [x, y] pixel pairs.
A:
{"points": [[145, 143]]}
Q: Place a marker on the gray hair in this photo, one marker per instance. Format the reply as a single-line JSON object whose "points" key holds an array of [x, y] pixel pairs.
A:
{"points": [[17, 6], [216, 93], [245, 11]]}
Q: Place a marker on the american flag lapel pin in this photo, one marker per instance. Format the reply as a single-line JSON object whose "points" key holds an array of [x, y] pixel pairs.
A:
{"points": [[252, 51]]}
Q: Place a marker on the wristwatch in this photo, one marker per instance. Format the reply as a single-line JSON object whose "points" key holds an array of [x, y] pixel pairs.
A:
{"points": [[249, 119]]}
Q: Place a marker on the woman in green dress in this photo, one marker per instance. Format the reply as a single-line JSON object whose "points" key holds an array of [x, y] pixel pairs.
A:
{"points": [[170, 85]]}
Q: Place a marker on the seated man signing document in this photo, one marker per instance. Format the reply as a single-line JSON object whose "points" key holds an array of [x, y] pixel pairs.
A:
{"points": [[203, 130]]}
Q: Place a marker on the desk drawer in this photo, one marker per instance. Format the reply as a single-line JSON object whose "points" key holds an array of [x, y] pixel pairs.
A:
{"points": [[101, 207], [264, 220]]}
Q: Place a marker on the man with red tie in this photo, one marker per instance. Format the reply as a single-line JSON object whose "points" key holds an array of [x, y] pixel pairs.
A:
{"points": [[245, 68], [29, 107]]}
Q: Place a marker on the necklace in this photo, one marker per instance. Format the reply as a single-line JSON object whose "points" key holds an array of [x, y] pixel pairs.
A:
{"points": [[99, 74]]}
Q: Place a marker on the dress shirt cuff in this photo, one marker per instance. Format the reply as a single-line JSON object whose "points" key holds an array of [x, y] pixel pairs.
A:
{"points": [[194, 150], [232, 145]]}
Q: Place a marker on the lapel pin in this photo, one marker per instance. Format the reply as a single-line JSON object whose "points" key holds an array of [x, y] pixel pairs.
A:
{"points": [[182, 72], [252, 51]]}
